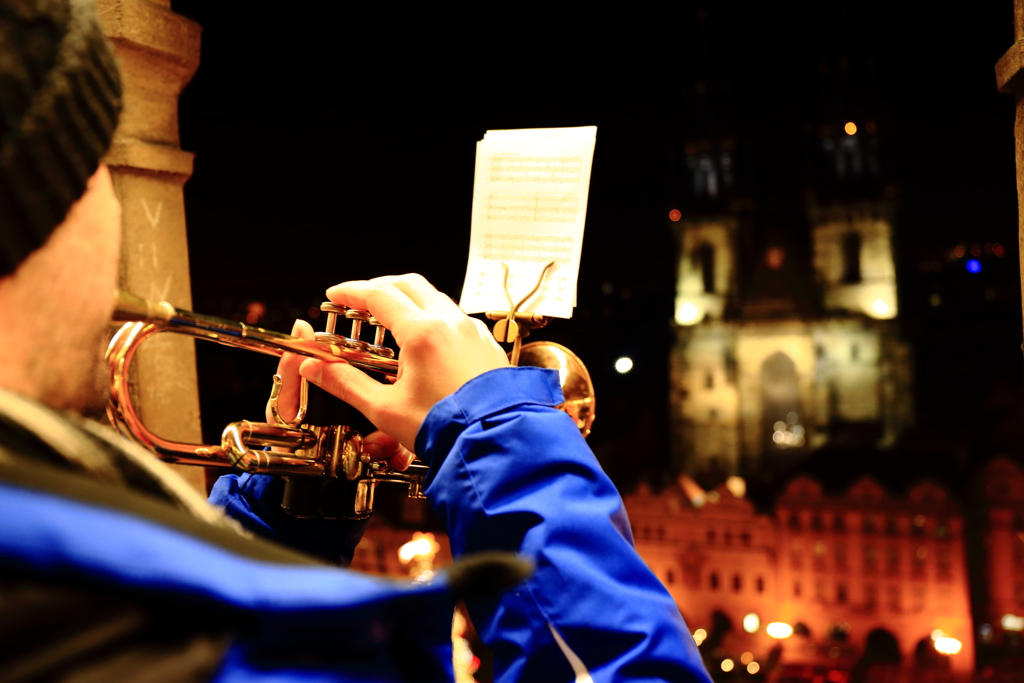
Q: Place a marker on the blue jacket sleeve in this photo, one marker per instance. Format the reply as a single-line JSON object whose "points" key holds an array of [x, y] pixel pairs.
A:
{"points": [[254, 500], [509, 472]]}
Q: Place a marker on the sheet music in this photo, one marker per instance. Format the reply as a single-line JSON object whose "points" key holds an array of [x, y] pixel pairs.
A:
{"points": [[529, 209]]}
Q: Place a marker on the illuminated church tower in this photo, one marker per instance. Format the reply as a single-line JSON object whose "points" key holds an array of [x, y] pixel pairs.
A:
{"points": [[786, 312]]}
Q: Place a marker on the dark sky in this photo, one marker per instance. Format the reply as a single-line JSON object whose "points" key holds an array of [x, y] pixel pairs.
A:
{"points": [[335, 144]]}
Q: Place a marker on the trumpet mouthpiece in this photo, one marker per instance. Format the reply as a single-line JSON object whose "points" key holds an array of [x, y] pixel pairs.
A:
{"points": [[130, 307]]}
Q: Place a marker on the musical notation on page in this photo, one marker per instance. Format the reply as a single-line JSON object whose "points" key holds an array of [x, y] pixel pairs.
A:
{"points": [[529, 208], [539, 248], [532, 207], [513, 168]]}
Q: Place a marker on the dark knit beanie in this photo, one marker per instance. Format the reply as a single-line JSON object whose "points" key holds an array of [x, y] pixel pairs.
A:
{"points": [[60, 97]]}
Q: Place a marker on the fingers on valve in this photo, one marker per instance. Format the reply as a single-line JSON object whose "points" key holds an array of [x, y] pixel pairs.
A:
{"points": [[381, 446], [347, 383]]}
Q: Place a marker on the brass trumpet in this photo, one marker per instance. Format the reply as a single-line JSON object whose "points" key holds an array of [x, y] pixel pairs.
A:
{"points": [[325, 470]]}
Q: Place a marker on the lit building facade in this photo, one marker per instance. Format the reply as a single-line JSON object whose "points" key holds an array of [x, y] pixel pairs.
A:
{"points": [[835, 568], [760, 379]]}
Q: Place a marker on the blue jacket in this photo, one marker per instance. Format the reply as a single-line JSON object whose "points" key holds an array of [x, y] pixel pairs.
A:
{"points": [[509, 472]]}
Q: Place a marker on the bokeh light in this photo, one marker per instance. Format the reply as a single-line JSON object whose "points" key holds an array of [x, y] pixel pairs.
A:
{"points": [[880, 308], [1011, 622], [623, 365], [779, 629], [687, 314], [728, 665], [974, 266], [674, 215], [850, 128], [751, 623]]}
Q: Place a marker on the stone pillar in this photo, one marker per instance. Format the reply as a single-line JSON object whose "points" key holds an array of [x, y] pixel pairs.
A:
{"points": [[1010, 79], [158, 52]]}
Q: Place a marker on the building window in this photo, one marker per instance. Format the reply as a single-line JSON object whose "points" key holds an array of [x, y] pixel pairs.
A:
{"points": [[670, 577], [706, 256], [709, 380], [796, 561], [760, 584], [892, 528], [794, 522], [917, 526], [711, 536], [816, 523], [714, 581], [892, 560], [943, 563], [660, 533], [819, 556], [841, 593], [838, 523], [894, 598], [841, 556], [870, 558], [745, 538], [942, 530], [870, 596], [918, 598], [737, 583], [851, 258], [819, 589], [691, 576], [917, 563], [796, 589], [867, 526], [727, 538], [855, 352]]}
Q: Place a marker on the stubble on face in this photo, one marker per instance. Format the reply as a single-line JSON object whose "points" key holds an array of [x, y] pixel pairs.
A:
{"points": [[65, 295]]}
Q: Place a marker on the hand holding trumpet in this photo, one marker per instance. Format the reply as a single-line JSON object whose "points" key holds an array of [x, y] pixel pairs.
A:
{"points": [[442, 349]]}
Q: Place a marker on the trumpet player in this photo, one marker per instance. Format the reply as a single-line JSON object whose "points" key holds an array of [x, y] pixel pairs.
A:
{"points": [[112, 569]]}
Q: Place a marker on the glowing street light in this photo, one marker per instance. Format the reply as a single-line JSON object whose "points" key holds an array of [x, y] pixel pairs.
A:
{"points": [[779, 629], [728, 665], [1011, 622], [623, 365], [850, 128], [419, 555], [947, 645], [687, 314], [751, 623]]}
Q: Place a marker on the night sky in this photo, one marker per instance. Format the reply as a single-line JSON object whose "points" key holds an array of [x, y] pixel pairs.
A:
{"points": [[336, 144]]}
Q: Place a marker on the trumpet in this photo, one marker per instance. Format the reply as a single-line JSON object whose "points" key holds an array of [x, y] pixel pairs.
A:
{"points": [[325, 470]]}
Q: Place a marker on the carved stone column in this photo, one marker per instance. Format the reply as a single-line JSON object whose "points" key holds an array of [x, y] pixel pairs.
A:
{"points": [[1010, 79], [158, 52]]}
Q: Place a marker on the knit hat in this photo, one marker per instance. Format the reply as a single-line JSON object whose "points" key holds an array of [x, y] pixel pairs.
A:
{"points": [[60, 97]]}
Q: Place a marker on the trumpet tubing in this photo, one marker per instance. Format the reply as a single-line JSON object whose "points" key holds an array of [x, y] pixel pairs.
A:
{"points": [[326, 472]]}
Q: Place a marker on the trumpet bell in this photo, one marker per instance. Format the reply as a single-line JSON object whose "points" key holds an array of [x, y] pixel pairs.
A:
{"points": [[577, 388]]}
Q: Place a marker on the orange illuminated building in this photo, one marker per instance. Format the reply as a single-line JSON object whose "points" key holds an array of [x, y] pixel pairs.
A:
{"points": [[836, 568]]}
